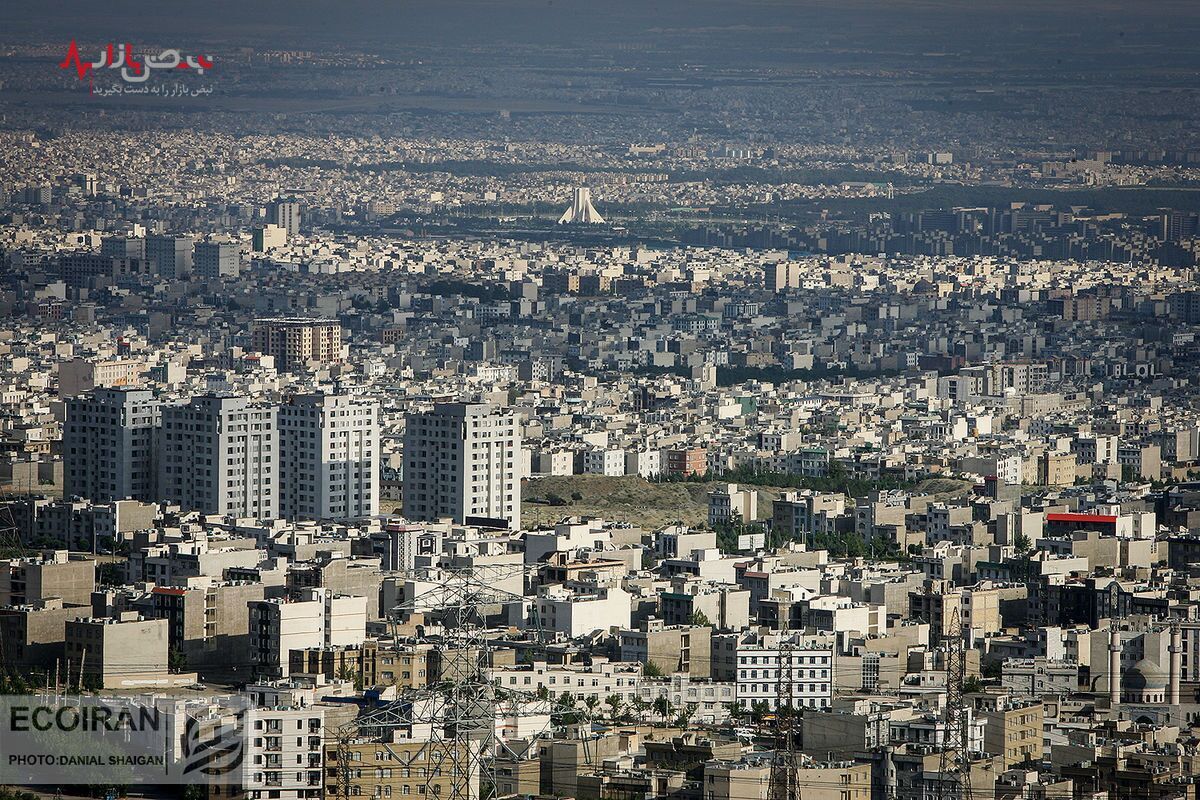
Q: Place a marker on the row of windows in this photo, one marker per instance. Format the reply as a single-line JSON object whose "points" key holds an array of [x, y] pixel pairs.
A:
{"points": [[766, 673], [796, 660]]}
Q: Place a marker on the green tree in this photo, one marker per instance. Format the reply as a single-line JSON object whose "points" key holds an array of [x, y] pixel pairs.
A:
{"points": [[662, 707], [700, 619], [686, 714], [567, 712], [651, 670], [614, 702], [348, 673]]}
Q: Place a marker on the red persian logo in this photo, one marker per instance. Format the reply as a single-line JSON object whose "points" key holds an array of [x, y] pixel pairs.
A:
{"points": [[132, 69]]}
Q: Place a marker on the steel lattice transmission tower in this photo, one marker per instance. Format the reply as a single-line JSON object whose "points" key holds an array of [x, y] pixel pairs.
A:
{"points": [[11, 545], [785, 759], [454, 719], [954, 781]]}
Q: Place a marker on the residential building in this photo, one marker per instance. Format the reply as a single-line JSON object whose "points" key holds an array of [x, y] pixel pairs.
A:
{"points": [[122, 652], [461, 461], [329, 450], [110, 445], [764, 659], [171, 255], [217, 259], [296, 342], [53, 574], [729, 505], [285, 214], [319, 618], [220, 455], [283, 753]]}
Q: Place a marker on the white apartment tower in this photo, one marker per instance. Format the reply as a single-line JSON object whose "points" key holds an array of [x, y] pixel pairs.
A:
{"points": [[220, 455], [171, 254], [283, 753], [109, 445], [285, 214], [217, 259], [461, 461], [330, 450]]}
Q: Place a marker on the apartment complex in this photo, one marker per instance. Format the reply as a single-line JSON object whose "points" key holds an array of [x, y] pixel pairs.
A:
{"points": [[402, 769], [207, 621], [117, 652], [217, 259], [461, 461], [320, 618], [329, 444], [285, 214], [283, 752], [172, 255], [315, 457], [54, 574], [109, 442], [763, 659], [294, 342], [220, 455]]}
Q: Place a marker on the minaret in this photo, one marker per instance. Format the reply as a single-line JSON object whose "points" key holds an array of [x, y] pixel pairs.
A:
{"points": [[1174, 674], [1114, 663]]}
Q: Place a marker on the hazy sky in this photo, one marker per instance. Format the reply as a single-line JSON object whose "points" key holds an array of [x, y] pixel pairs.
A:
{"points": [[997, 27]]}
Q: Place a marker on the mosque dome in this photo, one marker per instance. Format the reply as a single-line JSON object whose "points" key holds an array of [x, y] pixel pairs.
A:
{"points": [[1146, 675]]}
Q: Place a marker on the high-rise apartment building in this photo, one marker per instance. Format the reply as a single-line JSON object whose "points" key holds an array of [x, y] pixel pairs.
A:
{"points": [[217, 260], [330, 450], [220, 455], [123, 247], [77, 269], [171, 254], [294, 342], [109, 445], [267, 237], [461, 460], [283, 752], [285, 214]]}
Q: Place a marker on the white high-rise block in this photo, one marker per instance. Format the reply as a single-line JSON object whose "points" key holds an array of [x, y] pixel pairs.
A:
{"points": [[220, 455], [330, 450], [109, 445], [461, 461]]}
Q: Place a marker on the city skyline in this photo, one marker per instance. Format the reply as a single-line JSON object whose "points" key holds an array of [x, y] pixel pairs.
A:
{"points": [[709, 400]]}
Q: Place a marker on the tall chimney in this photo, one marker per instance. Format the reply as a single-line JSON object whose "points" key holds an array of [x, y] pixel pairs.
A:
{"points": [[1114, 663]]}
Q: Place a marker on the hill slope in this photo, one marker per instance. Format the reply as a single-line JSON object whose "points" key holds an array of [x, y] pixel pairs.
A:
{"points": [[652, 505]]}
